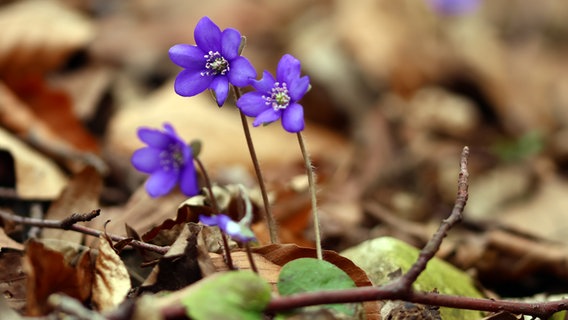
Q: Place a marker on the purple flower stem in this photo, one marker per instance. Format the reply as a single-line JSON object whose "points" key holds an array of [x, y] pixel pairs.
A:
{"points": [[267, 210], [208, 185], [312, 186]]}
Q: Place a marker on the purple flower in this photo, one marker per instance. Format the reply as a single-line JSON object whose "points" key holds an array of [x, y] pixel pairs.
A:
{"points": [[211, 64], [237, 231], [454, 7], [278, 98], [168, 160]]}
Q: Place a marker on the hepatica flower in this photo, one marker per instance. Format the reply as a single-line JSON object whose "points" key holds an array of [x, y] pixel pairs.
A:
{"points": [[236, 230], [454, 7], [168, 160], [278, 98], [213, 63]]}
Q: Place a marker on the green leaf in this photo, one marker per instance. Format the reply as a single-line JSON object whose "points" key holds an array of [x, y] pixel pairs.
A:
{"points": [[309, 275], [231, 295], [385, 258]]}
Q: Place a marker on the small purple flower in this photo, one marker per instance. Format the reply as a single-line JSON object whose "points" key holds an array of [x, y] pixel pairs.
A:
{"points": [[168, 160], [237, 231], [278, 98], [454, 7], [211, 64]]}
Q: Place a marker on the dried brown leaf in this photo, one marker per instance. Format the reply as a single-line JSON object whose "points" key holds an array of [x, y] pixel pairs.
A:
{"points": [[12, 279], [81, 195], [39, 35], [112, 281], [179, 267], [55, 266]]}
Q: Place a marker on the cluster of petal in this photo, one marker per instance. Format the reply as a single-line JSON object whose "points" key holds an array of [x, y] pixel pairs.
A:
{"points": [[168, 160], [454, 7], [213, 63], [235, 230], [277, 98]]}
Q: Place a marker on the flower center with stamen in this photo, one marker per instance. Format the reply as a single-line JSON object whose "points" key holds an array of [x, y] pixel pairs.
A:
{"points": [[279, 98], [215, 64], [172, 158]]}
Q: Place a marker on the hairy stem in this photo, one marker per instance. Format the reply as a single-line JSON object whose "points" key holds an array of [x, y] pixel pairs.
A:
{"points": [[267, 210], [312, 186], [209, 186]]}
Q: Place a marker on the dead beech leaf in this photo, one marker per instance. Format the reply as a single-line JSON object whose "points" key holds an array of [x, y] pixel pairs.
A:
{"points": [[80, 196], [179, 267], [39, 35], [7, 242], [55, 266], [112, 281], [13, 279]]}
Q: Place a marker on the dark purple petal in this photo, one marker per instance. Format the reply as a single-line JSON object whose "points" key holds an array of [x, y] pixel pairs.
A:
{"points": [[189, 83], [298, 88], [221, 87], [188, 180], [207, 35], [187, 56], [161, 183], [146, 160], [268, 116], [242, 72], [154, 138], [230, 42], [293, 118], [252, 104], [288, 69], [454, 7], [265, 84]]}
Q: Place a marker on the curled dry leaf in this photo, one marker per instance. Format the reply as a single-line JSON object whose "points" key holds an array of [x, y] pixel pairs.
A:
{"points": [[39, 35], [112, 281], [55, 266]]}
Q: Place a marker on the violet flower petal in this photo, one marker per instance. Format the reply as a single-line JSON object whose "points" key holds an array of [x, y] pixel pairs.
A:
{"points": [[268, 116], [288, 69], [265, 84], [221, 87], [207, 35], [189, 83], [187, 56], [161, 183], [188, 180], [252, 104], [230, 43], [242, 72], [293, 118], [154, 138], [146, 160], [298, 88]]}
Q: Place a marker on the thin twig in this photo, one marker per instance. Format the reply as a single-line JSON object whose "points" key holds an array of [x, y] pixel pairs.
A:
{"points": [[427, 253], [59, 224], [312, 185], [209, 186], [267, 210]]}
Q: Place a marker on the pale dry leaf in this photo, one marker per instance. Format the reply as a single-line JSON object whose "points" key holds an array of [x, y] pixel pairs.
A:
{"points": [[39, 35], [80, 196], [7, 242], [36, 175], [112, 282]]}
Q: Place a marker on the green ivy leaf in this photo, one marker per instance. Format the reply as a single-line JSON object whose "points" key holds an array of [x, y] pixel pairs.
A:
{"points": [[309, 275], [238, 295]]}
